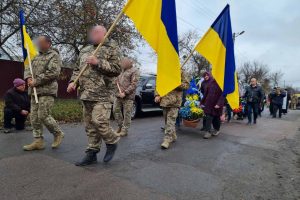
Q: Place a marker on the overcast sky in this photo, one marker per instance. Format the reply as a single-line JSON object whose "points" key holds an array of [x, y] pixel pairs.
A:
{"points": [[272, 31]]}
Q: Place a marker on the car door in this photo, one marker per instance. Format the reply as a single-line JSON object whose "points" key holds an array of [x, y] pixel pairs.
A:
{"points": [[148, 92]]}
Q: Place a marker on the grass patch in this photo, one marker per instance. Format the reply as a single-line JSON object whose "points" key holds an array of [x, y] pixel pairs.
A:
{"points": [[64, 111], [67, 111]]}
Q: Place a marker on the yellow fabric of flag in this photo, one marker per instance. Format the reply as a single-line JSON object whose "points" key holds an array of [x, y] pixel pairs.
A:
{"points": [[156, 22]]}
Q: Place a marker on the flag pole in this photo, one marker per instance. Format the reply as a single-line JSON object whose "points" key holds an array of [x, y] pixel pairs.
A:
{"points": [[120, 91], [30, 68], [188, 58], [100, 45]]}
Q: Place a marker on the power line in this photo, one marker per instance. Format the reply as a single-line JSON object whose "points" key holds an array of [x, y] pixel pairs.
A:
{"points": [[188, 23], [198, 10], [210, 11]]}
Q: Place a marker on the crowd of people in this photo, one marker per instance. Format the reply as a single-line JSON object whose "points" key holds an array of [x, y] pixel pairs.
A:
{"points": [[113, 77], [278, 100]]}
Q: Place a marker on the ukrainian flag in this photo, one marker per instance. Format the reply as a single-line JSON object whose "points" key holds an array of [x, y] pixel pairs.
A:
{"points": [[217, 47], [26, 41], [156, 21]]}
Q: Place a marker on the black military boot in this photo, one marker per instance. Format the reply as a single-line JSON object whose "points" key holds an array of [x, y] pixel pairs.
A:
{"points": [[89, 159], [110, 152]]}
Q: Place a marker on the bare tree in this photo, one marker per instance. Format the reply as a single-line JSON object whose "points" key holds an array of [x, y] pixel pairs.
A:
{"points": [[197, 63], [256, 70], [9, 22], [275, 77], [261, 72], [253, 69], [66, 22]]}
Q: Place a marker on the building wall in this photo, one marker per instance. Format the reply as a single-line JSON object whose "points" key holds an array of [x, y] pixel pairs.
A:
{"points": [[9, 70]]}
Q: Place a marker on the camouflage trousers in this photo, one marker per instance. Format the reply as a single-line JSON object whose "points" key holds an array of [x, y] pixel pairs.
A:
{"points": [[123, 120], [41, 115], [293, 106], [96, 116], [170, 115]]}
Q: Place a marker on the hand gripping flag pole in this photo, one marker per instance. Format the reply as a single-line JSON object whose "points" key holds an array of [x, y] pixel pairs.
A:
{"points": [[100, 45], [159, 29], [30, 68]]}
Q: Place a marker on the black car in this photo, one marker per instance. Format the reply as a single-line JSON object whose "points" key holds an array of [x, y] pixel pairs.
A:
{"points": [[144, 98]]}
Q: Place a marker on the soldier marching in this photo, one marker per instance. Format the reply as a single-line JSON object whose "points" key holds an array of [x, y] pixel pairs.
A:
{"points": [[46, 69], [127, 83], [95, 95], [170, 104], [107, 72]]}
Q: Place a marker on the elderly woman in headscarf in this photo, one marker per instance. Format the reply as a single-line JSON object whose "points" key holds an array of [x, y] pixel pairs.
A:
{"points": [[212, 103]]}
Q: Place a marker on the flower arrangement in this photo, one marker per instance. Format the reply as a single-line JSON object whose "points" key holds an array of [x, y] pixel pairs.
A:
{"points": [[241, 108], [238, 110], [191, 110]]}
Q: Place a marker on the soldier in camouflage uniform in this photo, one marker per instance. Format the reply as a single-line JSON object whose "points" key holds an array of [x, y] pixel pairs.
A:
{"points": [[127, 81], [94, 91], [46, 69], [170, 104]]}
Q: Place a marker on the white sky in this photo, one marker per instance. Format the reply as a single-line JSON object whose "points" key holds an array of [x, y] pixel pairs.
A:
{"points": [[272, 31]]}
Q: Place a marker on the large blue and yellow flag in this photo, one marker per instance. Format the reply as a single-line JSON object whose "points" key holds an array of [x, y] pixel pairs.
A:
{"points": [[157, 23], [217, 47], [26, 41]]}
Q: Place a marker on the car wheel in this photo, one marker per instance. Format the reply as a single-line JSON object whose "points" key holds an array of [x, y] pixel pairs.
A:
{"points": [[134, 111]]}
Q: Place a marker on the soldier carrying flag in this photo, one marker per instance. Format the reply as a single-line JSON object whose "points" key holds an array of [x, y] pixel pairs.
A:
{"points": [[42, 80]]}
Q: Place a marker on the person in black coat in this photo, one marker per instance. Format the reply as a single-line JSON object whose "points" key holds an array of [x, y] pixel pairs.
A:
{"points": [[17, 106], [270, 101], [254, 97], [277, 101]]}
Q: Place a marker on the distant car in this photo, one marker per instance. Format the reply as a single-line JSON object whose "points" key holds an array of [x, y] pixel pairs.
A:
{"points": [[144, 98]]}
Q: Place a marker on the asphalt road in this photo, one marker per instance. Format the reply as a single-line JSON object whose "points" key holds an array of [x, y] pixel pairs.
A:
{"points": [[245, 162]]}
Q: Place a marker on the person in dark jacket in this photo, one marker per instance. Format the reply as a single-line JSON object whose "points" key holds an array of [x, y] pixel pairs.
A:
{"points": [[17, 106], [262, 105], [207, 80], [254, 97], [270, 101], [277, 101], [212, 104]]}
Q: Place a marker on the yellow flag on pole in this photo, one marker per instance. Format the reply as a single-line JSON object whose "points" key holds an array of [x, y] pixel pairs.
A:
{"points": [[157, 23], [26, 42]]}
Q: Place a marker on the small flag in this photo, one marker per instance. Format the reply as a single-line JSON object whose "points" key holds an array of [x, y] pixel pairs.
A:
{"points": [[217, 47], [26, 41], [157, 23]]}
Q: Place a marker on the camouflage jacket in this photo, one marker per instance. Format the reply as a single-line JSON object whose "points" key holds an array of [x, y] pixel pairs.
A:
{"points": [[174, 98], [96, 82], [294, 99], [46, 69], [128, 81]]}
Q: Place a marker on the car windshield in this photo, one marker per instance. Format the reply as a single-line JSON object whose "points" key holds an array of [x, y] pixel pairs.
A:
{"points": [[143, 79]]}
